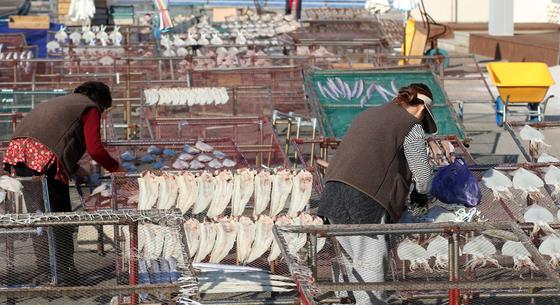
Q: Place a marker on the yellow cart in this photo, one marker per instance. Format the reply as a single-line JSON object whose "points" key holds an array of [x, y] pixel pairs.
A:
{"points": [[521, 84]]}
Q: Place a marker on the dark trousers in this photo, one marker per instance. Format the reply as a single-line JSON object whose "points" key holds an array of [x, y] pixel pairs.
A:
{"points": [[59, 198]]}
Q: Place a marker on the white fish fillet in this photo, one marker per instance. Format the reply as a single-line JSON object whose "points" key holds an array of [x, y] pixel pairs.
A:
{"points": [[153, 246], [318, 221], [263, 188], [222, 194], [263, 238], [275, 248], [172, 247], [300, 239], [243, 186], [168, 191], [205, 189], [188, 190], [301, 192], [192, 232], [245, 237], [226, 233], [281, 188], [207, 240], [148, 191]]}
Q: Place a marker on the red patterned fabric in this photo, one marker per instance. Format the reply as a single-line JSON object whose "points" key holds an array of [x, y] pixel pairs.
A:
{"points": [[39, 158], [34, 155]]}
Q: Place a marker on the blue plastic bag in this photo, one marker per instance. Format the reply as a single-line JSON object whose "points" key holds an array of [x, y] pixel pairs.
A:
{"points": [[455, 184]]}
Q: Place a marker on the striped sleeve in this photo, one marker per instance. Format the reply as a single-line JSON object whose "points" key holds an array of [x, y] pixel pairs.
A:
{"points": [[416, 155]]}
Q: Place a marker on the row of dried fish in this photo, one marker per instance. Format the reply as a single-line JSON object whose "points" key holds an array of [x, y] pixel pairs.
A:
{"points": [[441, 152], [204, 192], [160, 254], [186, 96], [339, 90], [252, 238], [89, 35], [480, 250]]}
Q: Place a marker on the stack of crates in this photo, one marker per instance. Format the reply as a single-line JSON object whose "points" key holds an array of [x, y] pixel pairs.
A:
{"points": [[122, 14]]}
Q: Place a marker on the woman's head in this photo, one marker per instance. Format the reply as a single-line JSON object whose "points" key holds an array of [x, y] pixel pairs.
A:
{"points": [[97, 92], [417, 100]]}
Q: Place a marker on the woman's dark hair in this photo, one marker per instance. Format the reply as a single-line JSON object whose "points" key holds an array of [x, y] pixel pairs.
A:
{"points": [[407, 96], [98, 92]]}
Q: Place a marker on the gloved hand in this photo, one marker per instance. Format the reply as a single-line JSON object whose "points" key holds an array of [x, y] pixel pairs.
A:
{"points": [[419, 200]]}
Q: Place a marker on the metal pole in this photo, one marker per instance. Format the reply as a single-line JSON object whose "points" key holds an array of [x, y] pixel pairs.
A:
{"points": [[50, 233], [133, 259]]}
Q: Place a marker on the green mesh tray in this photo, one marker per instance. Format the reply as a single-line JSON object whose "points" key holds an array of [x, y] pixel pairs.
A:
{"points": [[336, 116]]}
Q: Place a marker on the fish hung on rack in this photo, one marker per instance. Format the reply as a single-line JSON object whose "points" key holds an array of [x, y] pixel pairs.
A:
{"points": [[357, 92], [161, 255], [88, 36], [226, 192], [186, 96], [250, 238]]}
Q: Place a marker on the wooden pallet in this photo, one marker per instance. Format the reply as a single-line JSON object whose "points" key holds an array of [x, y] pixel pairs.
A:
{"points": [[29, 22]]}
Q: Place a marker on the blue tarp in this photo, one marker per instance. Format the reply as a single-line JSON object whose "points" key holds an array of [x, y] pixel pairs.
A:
{"points": [[33, 37]]}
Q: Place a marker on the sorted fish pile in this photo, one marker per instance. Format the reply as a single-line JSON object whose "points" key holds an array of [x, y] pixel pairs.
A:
{"points": [[186, 96], [197, 157], [160, 253], [441, 152], [249, 239], [338, 90], [213, 194]]}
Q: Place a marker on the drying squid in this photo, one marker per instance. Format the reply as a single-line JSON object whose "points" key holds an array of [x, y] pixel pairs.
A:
{"points": [[498, 182], [205, 190], [481, 250], [532, 135], [246, 230], [223, 191], [229, 163], [546, 158], [203, 146], [416, 254], [243, 186], [275, 248], [520, 254], [301, 192], [263, 187], [187, 191], [281, 187], [263, 238], [439, 248], [207, 239], [528, 183], [540, 218], [192, 232], [226, 233], [551, 247], [552, 177]]}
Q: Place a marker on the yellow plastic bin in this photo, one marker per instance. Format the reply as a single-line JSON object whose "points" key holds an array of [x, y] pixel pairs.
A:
{"points": [[521, 82]]}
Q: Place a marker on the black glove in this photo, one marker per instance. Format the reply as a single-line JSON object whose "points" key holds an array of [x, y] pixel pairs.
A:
{"points": [[418, 200]]}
